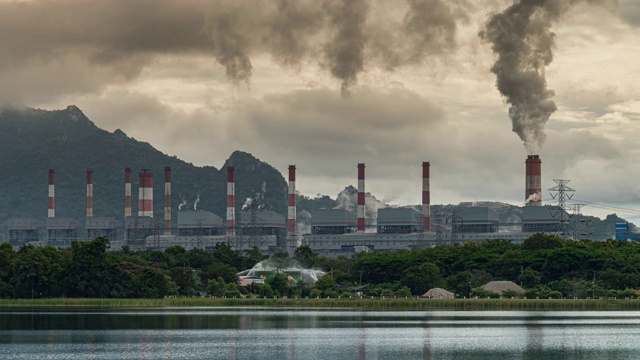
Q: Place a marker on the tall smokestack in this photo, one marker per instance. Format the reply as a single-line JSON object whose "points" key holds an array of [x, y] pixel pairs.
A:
{"points": [[127, 192], [361, 202], [89, 192], [426, 197], [167, 200], [231, 200], [533, 181], [52, 204], [291, 217], [145, 193]]}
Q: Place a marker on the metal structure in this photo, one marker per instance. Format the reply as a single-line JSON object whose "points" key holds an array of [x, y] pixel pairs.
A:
{"points": [[231, 201], [167, 201], [426, 197], [533, 181], [127, 192], [562, 193], [145, 194], [361, 212], [51, 213], [292, 235], [89, 192]]}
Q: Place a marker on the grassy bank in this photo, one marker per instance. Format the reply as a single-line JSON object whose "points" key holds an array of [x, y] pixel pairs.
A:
{"points": [[366, 304]]}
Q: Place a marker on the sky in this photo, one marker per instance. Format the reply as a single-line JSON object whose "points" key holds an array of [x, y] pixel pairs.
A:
{"points": [[326, 85]]}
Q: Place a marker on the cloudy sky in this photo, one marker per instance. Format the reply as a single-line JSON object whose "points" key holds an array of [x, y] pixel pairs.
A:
{"points": [[327, 84]]}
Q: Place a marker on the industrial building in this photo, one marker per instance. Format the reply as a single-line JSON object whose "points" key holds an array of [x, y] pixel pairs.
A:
{"points": [[23, 231], [332, 221], [62, 231], [334, 232], [399, 221], [199, 223], [475, 219], [544, 219], [102, 226]]}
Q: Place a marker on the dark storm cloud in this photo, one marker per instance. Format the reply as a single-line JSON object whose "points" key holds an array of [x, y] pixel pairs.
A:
{"points": [[107, 41], [522, 39]]}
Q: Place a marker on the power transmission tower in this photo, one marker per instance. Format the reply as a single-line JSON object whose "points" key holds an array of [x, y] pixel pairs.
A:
{"points": [[457, 224], [442, 230], [420, 243], [562, 193]]}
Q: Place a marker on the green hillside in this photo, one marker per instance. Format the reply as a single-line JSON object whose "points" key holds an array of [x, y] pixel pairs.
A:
{"points": [[33, 141]]}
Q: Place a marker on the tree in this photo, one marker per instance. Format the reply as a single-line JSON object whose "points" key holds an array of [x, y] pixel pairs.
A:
{"points": [[89, 272], [529, 278], [326, 284], [279, 283], [226, 272], [37, 272], [540, 241], [6, 256], [423, 277], [305, 256], [216, 287], [183, 277], [199, 258]]}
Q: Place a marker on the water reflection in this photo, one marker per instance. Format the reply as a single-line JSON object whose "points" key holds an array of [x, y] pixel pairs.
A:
{"points": [[298, 334]]}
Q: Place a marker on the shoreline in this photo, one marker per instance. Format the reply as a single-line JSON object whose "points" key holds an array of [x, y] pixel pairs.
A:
{"points": [[363, 304]]}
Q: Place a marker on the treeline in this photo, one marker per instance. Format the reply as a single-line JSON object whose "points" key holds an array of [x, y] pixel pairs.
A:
{"points": [[544, 265]]}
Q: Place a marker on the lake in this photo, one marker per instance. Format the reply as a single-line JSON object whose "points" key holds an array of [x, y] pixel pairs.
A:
{"points": [[276, 333]]}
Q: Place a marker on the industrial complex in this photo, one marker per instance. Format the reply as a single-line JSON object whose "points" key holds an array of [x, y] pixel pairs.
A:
{"points": [[333, 232]]}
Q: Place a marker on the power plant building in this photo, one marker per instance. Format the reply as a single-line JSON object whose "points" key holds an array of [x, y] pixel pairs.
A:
{"points": [[474, 219], [102, 226], [199, 223], [333, 221], [62, 231], [399, 221], [23, 231], [542, 219]]}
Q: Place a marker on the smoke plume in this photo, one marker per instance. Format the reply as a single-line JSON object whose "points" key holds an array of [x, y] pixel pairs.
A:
{"points": [[345, 51], [113, 41], [522, 39]]}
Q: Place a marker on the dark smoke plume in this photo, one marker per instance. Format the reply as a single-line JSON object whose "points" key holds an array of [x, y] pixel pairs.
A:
{"points": [[522, 39], [345, 51], [110, 41]]}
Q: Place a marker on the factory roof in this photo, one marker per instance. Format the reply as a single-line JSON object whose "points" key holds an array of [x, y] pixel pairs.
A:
{"points": [[476, 214], [399, 216], [101, 222], [541, 214], [24, 223], [195, 219], [268, 218], [62, 223], [132, 222], [332, 217]]}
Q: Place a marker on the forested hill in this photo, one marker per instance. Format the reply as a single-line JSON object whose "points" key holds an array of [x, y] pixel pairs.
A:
{"points": [[34, 141]]}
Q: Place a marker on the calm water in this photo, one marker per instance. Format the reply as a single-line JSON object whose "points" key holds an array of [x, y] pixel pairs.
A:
{"points": [[258, 333]]}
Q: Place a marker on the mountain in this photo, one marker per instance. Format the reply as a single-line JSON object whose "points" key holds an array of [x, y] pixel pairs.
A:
{"points": [[33, 141]]}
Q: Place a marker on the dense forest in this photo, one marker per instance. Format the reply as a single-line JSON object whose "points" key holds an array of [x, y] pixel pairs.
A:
{"points": [[544, 265]]}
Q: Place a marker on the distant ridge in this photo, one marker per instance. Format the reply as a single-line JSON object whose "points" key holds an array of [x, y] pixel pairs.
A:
{"points": [[32, 141]]}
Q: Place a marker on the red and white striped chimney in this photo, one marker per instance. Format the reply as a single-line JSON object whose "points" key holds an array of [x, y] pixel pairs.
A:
{"points": [[89, 192], [231, 200], [291, 215], [167, 200], [361, 201], [145, 193], [127, 192], [533, 181], [52, 202], [426, 197]]}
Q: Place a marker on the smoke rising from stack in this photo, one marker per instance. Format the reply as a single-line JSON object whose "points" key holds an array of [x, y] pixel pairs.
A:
{"points": [[522, 39]]}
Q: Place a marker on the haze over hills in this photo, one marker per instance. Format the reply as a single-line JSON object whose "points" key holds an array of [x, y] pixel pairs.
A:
{"points": [[34, 141]]}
